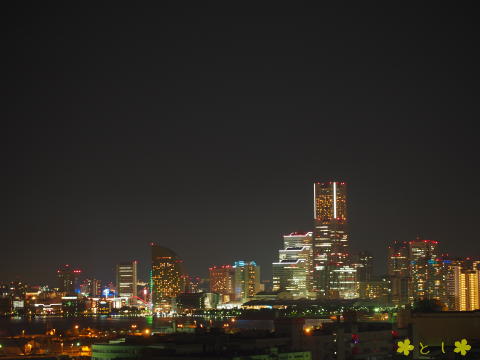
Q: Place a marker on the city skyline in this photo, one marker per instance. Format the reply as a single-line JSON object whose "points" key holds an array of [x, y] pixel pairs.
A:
{"points": [[157, 170], [203, 132], [329, 203]]}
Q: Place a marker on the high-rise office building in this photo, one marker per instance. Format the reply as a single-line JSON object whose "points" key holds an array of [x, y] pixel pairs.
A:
{"points": [[398, 265], [451, 282], [330, 241], [290, 275], [365, 284], [294, 269], [343, 282], [68, 280], [398, 259], [427, 277], [126, 279], [165, 278], [303, 240], [363, 262], [246, 280], [222, 281]]}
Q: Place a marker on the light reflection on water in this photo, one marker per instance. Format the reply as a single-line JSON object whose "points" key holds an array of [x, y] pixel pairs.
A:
{"points": [[39, 325]]}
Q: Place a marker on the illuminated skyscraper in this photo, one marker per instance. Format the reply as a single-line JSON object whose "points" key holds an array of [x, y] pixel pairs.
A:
{"points": [[246, 280], [463, 284], [330, 242], [398, 259], [467, 289], [398, 264], [68, 280], [222, 281], [126, 276], [166, 277], [427, 278], [294, 269], [343, 282]]}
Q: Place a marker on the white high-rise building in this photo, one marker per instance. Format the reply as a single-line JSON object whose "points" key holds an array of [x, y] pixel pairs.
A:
{"points": [[294, 270], [127, 279]]}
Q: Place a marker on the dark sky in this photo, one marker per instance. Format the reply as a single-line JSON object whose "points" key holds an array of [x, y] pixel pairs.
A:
{"points": [[203, 127]]}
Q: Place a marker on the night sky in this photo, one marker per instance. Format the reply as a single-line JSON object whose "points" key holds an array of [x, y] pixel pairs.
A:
{"points": [[203, 128]]}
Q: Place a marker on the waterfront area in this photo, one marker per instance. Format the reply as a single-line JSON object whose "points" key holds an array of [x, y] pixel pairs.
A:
{"points": [[259, 333], [75, 336]]}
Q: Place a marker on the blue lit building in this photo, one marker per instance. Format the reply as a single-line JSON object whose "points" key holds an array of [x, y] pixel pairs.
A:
{"points": [[246, 279]]}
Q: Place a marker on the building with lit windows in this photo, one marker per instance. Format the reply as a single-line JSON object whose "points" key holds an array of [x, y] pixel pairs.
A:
{"points": [[222, 281], [305, 240], [246, 280], [91, 287], [294, 269], [190, 284], [467, 289], [13, 297], [68, 280], [428, 281], [343, 282], [464, 286], [126, 279], [398, 267], [290, 275], [377, 289], [451, 283], [165, 277], [398, 259], [330, 236]]}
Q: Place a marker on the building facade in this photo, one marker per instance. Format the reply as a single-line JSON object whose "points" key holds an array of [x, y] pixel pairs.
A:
{"points": [[330, 236], [464, 286], [343, 282], [68, 280], [246, 279], [363, 262], [91, 287], [294, 269], [426, 277], [165, 277], [398, 267], [222, 280], [126, 279]]}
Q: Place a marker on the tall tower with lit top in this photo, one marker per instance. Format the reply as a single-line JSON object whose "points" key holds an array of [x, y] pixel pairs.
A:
{"points": [[330, 242]]}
